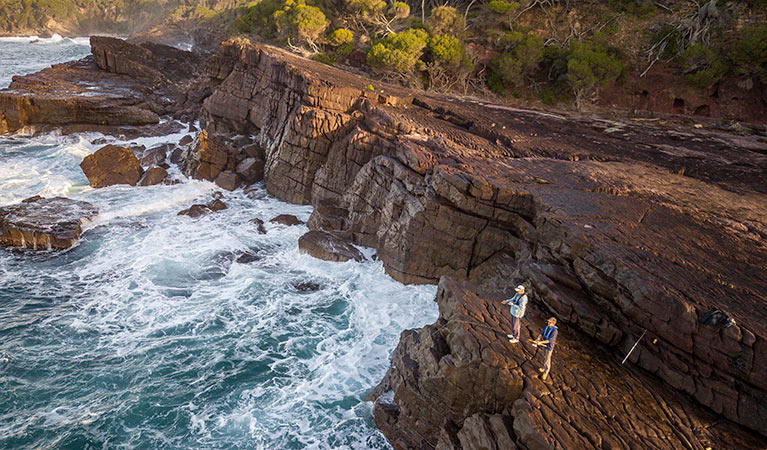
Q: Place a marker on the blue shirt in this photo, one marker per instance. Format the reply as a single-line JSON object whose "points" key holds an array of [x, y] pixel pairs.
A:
{"points": [[518, 305], [549, 334]]}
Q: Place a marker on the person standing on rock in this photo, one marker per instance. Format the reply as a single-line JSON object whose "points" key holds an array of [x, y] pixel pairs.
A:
{"points": [[546, 341], [518, 304]]}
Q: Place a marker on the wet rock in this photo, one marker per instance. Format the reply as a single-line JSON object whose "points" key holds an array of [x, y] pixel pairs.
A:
{"points": [[40, 223], [228, 180], [259, 224], [217, 205], [177, 155], [195, 210], [327, 216], [209, 156], [286, 219], [155, 155], [186, 140], [251, 170], [112, 165], [323, 245], [249, 257], [154, 175]]}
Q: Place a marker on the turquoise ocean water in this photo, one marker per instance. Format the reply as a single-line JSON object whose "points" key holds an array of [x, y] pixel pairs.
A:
{"points": [[149, 333]]}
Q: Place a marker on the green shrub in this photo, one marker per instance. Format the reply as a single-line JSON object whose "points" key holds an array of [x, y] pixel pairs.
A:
{"points": [[502, 7], [300, 21], [325, 58], [749, 53], [522, 55], [703, 66], [366, 6], [591, 66], [340, 36], [257, 17], [670, 36], [399, 10], [445, 20], [448, 51], [398, 52]]}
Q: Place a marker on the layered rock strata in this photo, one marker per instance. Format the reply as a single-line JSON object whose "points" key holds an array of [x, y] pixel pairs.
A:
{"points": [[122, 84], [44, 223], [616, 226]]}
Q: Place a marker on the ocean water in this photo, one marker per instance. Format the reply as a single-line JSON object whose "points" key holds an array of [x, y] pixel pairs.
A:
{"points": [[150, 334]]}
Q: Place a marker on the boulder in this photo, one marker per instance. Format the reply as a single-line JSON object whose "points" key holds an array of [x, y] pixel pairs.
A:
{"points": [[323, 245], [287, 219], [210, 155], [217, 205], [155, 175], [40, 223], [228, 180], [251, 170], [155, 155], [196, 210], [112, 165], [186, 140]]}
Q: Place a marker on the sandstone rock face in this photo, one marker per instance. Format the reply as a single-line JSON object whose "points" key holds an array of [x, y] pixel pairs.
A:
{"points": [[323, 245], [618, 226], [208, 157], [122, 84], [44, 224], [155, 175], [112, 165]]}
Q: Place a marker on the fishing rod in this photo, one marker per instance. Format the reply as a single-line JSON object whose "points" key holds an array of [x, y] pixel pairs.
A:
{"points": [[635, 346]]}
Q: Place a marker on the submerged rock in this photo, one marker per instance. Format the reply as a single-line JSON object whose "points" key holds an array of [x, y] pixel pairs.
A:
{"points": [[259, 224], [323, 245], [40, 223], [112, 165]]}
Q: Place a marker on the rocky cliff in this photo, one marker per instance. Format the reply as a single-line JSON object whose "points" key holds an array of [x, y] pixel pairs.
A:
{"points": [[616, 226]]}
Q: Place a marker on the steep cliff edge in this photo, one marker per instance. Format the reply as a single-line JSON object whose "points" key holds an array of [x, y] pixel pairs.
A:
{"points": [[617, 226]]}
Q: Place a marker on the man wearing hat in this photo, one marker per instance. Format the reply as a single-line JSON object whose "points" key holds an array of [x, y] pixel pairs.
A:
{"points": [[518, 304], [546, 340]]}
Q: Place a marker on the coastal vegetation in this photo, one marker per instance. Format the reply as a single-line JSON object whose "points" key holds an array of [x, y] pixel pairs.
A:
{"points": [[549, 51]]}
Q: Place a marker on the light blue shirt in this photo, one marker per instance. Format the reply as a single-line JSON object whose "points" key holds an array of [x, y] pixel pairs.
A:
{"points": [[518, 305]]}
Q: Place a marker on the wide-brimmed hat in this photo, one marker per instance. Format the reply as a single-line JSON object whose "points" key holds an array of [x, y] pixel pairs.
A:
{"points": [[520, 289]]}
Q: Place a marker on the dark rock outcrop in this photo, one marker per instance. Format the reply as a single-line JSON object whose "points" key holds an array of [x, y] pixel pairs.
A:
{"points": [[44, 223], [323, 245], [112, 165], [287, 220], [618, 226], [196, 210]]}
